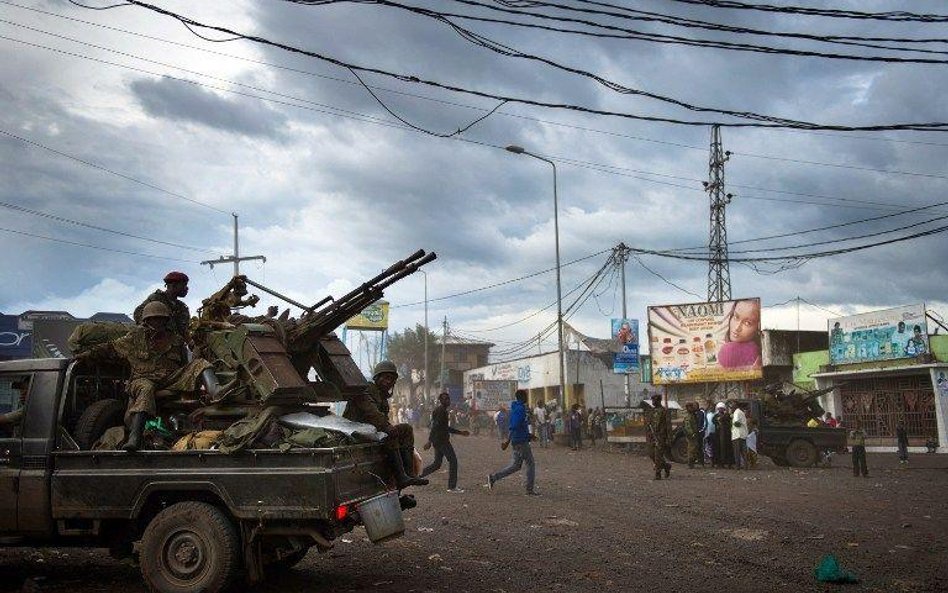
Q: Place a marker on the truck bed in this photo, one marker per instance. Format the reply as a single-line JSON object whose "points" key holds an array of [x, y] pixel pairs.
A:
{"points": [[297, 484]]}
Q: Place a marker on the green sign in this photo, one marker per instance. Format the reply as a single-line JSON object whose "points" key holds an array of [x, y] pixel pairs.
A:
{"points": [[645, 366]]}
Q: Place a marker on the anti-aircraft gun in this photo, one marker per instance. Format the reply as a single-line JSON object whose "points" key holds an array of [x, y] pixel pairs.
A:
{"points": [[791, 407], [268, 360]]}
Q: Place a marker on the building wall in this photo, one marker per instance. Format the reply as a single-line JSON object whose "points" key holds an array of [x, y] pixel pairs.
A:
{"points": [[584, 373]]}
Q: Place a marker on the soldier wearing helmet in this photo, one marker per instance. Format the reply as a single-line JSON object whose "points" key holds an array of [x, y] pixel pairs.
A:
{"points": [[176, 288], [372, 407], [158, 362]]}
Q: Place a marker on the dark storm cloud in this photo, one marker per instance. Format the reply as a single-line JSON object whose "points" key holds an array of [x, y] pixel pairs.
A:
{"points": [[171, 99]]}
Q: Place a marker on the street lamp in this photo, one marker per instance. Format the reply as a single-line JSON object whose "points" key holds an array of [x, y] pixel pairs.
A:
{"points": [[427, 391], [559, 289]]}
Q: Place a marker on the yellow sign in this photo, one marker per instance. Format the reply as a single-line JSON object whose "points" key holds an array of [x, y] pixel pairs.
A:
{"points": [[375, 316]]}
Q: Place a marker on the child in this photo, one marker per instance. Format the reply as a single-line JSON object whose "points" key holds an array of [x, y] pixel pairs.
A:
{"points": [[857, 442], [931, 445], [752, 444]]}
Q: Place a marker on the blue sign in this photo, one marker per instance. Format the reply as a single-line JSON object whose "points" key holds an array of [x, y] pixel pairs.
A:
{"points": [[14, 342], [625, 334]]}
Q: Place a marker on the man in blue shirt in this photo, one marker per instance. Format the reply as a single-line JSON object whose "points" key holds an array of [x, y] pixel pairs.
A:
{"points": [[520, 438]]}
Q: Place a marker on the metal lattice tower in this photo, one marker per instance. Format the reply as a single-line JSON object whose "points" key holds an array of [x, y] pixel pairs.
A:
{"points": [[719, 274]]}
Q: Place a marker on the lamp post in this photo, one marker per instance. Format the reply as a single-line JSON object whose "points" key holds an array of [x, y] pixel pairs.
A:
{"points": [[559, 289], [427, 389]]}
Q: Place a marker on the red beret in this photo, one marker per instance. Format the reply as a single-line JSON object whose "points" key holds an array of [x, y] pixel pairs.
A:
{"points": [[176, 277]]}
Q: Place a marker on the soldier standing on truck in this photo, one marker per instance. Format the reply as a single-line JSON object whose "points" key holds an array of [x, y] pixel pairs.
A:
{"points": [[372, 407], [176, 288], [659, 428], [156, 357]]}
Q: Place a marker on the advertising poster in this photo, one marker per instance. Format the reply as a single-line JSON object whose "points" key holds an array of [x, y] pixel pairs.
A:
{"points": [[14, 342], [625, 339], [490, 395], [375, 316], [705, 342], [879, 335]]}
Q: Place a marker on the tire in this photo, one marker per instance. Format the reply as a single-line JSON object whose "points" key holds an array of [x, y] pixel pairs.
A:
{"points": [[802, 454], [190, 546], [96, 419], [679, 450]]}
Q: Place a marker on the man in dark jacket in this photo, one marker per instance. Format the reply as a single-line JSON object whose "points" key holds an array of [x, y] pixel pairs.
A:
{"points": [[440, 438], [520, 438], [658, 423]]}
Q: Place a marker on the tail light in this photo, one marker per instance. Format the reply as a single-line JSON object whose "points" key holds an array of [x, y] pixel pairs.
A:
{"points": [[341, 512]]}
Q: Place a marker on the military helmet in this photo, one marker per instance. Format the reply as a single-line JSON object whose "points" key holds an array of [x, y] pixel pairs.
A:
{"points": [[155, 309], [385, 366]]}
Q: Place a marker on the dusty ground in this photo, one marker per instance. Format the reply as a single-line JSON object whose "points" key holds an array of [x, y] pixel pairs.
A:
{"points": [[603, 525]]}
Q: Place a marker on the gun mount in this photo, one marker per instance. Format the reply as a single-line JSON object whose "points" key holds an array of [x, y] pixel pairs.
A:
{"points": [[271, 358], [793, 407]]}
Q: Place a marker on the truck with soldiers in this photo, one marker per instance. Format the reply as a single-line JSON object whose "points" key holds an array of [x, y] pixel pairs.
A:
{"points": [[221, 465], [781, 417]]}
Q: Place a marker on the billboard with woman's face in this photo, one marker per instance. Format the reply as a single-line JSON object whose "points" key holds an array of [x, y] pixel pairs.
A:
{"points": [[705, 342]]}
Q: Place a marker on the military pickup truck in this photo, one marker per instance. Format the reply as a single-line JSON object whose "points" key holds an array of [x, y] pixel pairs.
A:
{"points": [[196, 520], [785, 445]]}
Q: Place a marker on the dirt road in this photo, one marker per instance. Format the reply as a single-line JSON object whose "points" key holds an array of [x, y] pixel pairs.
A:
{"points": [[603, 525]]}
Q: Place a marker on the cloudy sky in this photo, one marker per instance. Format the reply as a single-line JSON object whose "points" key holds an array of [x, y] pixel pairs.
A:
{"points": [[177, 132]]}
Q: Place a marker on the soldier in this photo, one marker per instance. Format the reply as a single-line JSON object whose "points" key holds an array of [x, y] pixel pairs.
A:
{"points": [[176, 287], [659, 427], [692, 433], [155, 355], [372, 407]]}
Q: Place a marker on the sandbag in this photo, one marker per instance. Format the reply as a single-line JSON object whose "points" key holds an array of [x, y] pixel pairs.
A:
{"points": [[204, 439], [93, 333]]}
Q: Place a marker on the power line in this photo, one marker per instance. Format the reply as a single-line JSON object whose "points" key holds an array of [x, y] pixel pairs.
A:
{"points": [[99, 247], [502, 283], [109, 171], [825, 12], [62, 219], [758, 120], [467, 106]]}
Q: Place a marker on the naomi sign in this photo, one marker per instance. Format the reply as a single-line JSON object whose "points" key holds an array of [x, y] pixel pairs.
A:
{"points": [[879, 335], [705, 342]]}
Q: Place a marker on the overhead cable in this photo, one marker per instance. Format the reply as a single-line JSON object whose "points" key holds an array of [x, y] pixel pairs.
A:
{"points": [[99, 247]]}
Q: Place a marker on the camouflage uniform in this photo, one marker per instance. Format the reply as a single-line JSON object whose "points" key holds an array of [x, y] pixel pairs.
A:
{"points": [[180, 315], [692, 436], [371, 407], [659, 423], [155, 367]]}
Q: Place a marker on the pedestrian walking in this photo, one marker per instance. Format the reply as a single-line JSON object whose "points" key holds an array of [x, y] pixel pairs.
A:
{"points": [[658, 424], [901, 439], [723, 451], [692, 434], [520, 440], [710, 437], [575, 420], [539, 416], [857, 442], [739, 435], [701, 418], [440, 439], [752, 433]]}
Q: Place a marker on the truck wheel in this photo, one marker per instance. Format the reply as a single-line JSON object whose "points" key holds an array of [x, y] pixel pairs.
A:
{"points": [[801, 454], [780, 461], [189, 546], [96, 419], [679, 450]]}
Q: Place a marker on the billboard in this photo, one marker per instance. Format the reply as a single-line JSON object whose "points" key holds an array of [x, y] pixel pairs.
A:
{"points": [[625, 339], [14, 341], [879, 335], [375, 316], [705, 342], [490, 395], [645, 363]]}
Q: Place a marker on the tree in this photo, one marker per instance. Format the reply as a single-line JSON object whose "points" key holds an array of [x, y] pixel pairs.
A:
{"points": [[407, 351]]}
